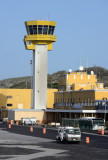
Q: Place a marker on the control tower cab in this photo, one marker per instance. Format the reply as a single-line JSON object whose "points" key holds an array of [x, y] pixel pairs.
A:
{"points": [[39, 39], [39, 32]]}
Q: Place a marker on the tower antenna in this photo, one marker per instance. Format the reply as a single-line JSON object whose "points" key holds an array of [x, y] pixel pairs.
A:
{"points": [[87, 64], [48, 17], [80, 61]]}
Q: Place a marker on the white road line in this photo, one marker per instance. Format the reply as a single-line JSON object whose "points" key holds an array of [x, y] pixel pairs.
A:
{"points": [[44, 152]]}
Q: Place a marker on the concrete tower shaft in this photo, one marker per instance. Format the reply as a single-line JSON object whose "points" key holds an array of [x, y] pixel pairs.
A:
{"points": [[40, 76], [39, 39]]}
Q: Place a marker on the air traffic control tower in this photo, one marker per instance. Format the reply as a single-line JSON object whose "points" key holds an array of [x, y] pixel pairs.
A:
{"points": [[39, 39]]}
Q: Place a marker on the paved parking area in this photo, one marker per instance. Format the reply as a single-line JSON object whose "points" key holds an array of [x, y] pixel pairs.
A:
{"points": [[18, 143], [22, 147]]}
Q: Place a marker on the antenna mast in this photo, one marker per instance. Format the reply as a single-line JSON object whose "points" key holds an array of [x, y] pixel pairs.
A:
{"points": [[87, 64]]}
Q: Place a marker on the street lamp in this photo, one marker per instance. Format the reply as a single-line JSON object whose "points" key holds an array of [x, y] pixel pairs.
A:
{"points": [[31, 82], [105, 112]]}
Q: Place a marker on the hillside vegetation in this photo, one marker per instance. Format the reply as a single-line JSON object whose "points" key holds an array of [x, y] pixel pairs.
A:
{"points": [[25, 82]]}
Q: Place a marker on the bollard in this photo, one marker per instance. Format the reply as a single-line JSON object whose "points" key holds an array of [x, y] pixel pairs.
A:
{"points": [[44, 131], [87, 140], [9, 126], [31, 129]]}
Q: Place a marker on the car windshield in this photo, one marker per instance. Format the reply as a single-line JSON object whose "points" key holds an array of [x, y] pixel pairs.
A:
{"points": [[73, 131]]}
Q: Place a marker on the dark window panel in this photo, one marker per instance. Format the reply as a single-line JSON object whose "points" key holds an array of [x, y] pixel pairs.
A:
{"points": [[53, 27], [40, 29], [50, 29], [34, 29], [9, 105], [45, 29], [30, 29]]}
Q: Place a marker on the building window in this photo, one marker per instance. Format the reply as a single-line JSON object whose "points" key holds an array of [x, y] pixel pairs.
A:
{"points": [[51, 30], [34, 29], [45, 29], [40, 29], [9, 105], [9, 97], [30, 30], [28, 43]]}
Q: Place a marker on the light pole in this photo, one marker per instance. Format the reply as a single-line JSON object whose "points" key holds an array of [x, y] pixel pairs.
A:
{"points": [[31, 82], [105, 112]]}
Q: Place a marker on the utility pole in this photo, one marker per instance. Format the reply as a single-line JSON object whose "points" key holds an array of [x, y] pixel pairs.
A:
{"points": [[105, 112], [31, 85]]}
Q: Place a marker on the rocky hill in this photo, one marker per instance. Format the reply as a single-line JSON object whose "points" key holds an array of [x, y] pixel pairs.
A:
{"points": [[25, 82]]}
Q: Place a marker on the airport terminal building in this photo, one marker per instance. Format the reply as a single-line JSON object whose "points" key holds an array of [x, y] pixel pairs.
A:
{"points": [[78, 95]]}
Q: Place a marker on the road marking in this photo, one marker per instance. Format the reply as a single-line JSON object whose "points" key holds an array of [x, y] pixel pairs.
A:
{"points": [[43, 152]]}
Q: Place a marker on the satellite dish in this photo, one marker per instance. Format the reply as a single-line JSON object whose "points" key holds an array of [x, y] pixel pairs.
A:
{"points": [[70, 70], [81, 68], [92, 73]]}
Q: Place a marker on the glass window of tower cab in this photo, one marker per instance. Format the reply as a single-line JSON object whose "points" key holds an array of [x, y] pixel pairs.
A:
{"points": [[40, 29]]}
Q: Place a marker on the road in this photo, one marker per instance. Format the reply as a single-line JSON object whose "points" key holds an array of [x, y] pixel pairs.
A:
{"points": [[18, 143]]}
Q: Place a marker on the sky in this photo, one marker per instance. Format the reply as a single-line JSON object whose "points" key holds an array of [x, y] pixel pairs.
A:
{"points": [[81, 30]]}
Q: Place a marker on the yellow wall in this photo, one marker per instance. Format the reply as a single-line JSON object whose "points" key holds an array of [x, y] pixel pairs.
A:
{"points": [[82, 87], [75, 96], [78, 77], [22, 96], [101, 94], [50, 97], [78, 97], [19, 96]]}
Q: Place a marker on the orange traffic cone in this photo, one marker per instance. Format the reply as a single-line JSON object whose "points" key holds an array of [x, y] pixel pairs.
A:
{"points": [[44, 131], [87, 140], [102, 132], [9, 126], [31, 129]]}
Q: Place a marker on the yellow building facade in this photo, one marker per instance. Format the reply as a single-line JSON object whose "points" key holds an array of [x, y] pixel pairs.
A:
{"points": [[21, 98], [80, 95], [79, 81], [79, 88], [66, 103]]}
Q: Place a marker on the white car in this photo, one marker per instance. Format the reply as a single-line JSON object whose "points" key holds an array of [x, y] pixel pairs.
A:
{"points": [[68, 134]]}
